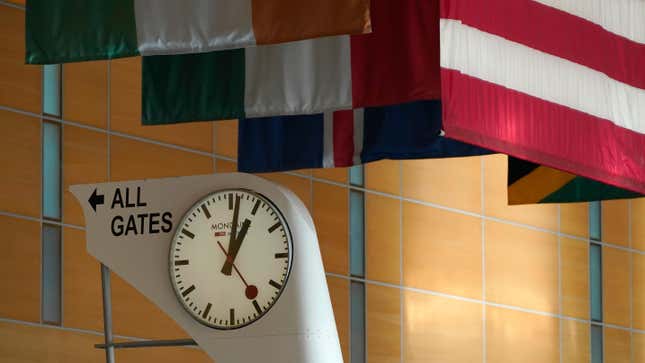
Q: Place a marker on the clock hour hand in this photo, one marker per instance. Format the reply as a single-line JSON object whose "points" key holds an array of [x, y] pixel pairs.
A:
{"points": [[234, 248]]}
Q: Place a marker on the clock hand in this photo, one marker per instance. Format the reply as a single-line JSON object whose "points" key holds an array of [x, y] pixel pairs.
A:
{"points": [[233, 238], [251, 291], [234, 248]]}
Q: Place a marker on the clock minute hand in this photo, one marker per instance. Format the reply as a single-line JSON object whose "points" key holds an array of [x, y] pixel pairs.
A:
{"points": [[236, 213], [234, 248], [232, 239]]}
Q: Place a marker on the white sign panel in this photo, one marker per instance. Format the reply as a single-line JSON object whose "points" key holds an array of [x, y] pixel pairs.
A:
{"points": [[131, 227]]}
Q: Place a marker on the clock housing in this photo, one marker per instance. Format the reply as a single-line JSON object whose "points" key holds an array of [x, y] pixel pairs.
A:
{"points": [[230, 258]]}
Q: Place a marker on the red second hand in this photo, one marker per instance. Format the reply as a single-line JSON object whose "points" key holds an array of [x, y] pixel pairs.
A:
{"points": [[251, 291]]}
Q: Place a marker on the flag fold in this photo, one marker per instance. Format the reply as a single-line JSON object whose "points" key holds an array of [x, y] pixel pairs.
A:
{"points": [[70, 30], [397, 63], [558, 83], [346, 138]]}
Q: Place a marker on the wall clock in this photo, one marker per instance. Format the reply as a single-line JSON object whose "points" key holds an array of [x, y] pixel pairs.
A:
{"points": [[230, 258]]}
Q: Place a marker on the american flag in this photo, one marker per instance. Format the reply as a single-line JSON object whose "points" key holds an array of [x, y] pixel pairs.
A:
{"points": [[557, 82]]}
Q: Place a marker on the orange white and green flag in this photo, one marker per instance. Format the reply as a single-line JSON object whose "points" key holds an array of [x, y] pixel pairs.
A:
{"points": [[70, 30]]}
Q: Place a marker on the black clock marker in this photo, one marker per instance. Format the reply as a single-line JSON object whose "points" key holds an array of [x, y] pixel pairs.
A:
{"points": [[275, 284], [181, 262], [255, 207], [206, 212], [232, 317], [281, 255], [257, 307], [188, 291], [207, 310], [187, 233], [230, 201], [274, 227]]}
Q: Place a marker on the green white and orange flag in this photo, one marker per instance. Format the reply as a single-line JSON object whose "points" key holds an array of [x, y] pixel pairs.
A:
{"points": [[71, 30]]}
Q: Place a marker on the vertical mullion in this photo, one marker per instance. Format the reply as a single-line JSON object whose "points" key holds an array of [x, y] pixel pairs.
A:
{"points": [[357, 233], [51, 188], [595, 225], [357, 265], [51, 209], [357, 175], [597, 350], [595, 282], [51, 274], [357, 326], [52, 89], [595, 275]]}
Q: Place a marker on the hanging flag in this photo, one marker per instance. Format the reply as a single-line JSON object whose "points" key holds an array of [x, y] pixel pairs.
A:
{"points": [[69, 30], [530, 183], [397, 63], [559, 83], [346, 138]]}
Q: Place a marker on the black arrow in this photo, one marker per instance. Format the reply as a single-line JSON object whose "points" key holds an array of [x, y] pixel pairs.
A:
{"points": [[96, 199]]}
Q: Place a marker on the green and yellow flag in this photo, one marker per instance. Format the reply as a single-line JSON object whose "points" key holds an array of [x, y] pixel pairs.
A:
{"points": [[530, 183]]}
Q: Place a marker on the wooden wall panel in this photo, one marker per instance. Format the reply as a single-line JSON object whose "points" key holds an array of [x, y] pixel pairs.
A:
{"points": [[135, 316], [125, 111], [84, 161], [574, 264], [615, 271], [137, 160], [451, 182], [382, 234], [383, 324], [617, 346], [638, 344], [20, 165], [20, 84], [521, 267], [519, 337], [223, 166], [226, 138], [162, 355], [384, 176], [638, 291], [438, 329], [575, 342], [495, 198], [82, 296], [300, 186], [442, 251], [574, 219], [638, 223], [331, 216], [31, 344], [339, 175], [615, 222], [20, 269], [85, 88], [339, 294]]}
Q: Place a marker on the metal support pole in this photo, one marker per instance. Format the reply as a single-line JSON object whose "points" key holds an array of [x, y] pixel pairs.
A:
{"points": [[149, 344], [107, 314]]}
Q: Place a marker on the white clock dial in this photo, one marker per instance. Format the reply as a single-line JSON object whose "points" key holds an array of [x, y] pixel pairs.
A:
{"points": [[230, 258]]}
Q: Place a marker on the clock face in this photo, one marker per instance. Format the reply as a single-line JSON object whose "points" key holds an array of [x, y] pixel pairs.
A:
{"points": [[230, 258]]}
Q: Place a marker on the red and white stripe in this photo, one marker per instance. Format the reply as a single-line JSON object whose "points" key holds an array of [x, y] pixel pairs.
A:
{"points": [[343, 138], [557, 82]]}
